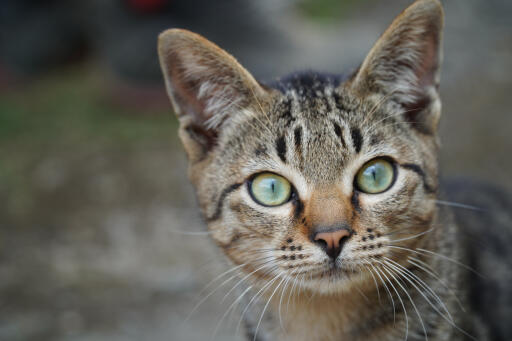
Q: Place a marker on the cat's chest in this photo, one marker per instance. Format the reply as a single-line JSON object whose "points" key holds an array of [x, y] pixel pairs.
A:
{"points": [[322, 319], [306, 327]]}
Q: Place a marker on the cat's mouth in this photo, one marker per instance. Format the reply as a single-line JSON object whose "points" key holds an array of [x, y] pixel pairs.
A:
{"points": [[334, 269]]}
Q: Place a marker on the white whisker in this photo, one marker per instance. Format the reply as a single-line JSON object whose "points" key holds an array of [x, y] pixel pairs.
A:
{"points": [[267, 264], [265, 307], [386, 267], [415, 261], [413, 236], [191, 233], [253, 298], [219, 277], [227, 311], [450, 321], [399, 298], [409, 276], [459, 205], [288, 280], [427, 252], [375, 281]]}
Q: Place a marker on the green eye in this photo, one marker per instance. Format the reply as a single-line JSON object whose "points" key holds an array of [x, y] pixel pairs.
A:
{"points": [[270, 189], [376, 176]]}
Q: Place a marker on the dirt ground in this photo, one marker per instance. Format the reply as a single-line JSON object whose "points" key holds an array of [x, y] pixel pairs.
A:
{"points": [[96, 210]]}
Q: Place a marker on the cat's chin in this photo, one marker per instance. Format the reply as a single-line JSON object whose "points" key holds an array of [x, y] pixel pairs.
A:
{"points": [[334, 280]]}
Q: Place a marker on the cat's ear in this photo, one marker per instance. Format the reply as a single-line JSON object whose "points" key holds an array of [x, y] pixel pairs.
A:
{"points": [[206, 85], [404, 65]]}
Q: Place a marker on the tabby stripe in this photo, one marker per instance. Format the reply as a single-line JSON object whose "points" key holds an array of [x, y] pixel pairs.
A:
{"points": [[297, 134], [338, 102], [339, 132], [299, 208], [357, 139], [418, 170], [328, 105], [355, 201], [220, 202], [297, 137], [281, 148], [287, 112]]}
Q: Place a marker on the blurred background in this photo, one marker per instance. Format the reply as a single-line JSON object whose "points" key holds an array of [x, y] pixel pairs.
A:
{"points": [[94, 199]]}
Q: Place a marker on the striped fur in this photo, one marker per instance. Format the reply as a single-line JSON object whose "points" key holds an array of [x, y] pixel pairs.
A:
{"points": [[392, 279]]}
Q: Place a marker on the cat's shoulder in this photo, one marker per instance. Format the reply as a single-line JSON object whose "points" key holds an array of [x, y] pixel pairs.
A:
{"points": [[484, 218], [484, 208]]}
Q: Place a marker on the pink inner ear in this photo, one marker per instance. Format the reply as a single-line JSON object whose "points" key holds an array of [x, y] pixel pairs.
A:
{"points": [[185, 93], [426, 72], [205, 83], [185, 90], [205, 88]]}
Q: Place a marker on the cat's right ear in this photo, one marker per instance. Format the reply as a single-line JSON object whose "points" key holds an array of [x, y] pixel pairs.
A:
{"points": [[207, 86], [404, 65]]}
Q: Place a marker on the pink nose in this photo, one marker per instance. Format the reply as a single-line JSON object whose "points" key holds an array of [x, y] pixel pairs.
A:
{"points": [[332, 242]]}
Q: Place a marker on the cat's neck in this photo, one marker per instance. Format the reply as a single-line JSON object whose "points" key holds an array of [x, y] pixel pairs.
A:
{"points": [[312, 317]]}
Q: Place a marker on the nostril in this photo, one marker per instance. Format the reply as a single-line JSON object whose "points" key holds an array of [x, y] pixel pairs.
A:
{"points": [[332, 242], [322, 243], [340, 237], [342, 241]]}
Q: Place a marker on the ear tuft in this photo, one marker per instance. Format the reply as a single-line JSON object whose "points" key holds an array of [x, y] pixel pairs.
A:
{"points": [[404, 64]]}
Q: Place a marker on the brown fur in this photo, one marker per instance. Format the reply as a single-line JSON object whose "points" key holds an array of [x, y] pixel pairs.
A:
{"points": [[318, 131]]}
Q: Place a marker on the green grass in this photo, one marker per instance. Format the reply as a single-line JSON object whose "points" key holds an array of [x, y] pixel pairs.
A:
{"points": [[327, 10], [68, 114], [72, 109]]}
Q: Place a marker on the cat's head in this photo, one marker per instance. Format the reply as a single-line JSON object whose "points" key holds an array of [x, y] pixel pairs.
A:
{"points": [[316, 176]]}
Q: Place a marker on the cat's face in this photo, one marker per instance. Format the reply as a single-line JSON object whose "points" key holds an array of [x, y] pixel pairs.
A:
{"points": [[315, 178]]}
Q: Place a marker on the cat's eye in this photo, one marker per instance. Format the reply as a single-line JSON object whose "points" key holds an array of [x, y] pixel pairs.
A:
{"points": [[269, 189], [375, 176]]}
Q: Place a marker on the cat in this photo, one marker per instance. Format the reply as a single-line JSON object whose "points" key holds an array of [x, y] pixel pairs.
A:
{"points": [[323, 192]]}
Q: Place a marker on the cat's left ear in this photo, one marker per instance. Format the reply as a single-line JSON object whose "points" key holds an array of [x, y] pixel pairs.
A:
{"points": [[404, 65], [207, 88]]}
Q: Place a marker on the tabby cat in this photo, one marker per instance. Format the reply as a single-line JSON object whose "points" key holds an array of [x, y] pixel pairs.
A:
{"points": [[323, 192]]}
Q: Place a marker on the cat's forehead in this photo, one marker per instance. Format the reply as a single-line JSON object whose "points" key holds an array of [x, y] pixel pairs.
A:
{"points": [[316, 127], [314, 99]]}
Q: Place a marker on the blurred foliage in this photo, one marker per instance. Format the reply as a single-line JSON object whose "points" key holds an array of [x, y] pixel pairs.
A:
{"points": [[66, 114], [327, 10], [74, 108]]}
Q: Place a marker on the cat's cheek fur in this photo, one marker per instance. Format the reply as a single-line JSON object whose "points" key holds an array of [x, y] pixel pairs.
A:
{"points": [[262, 227], [224, 232]]}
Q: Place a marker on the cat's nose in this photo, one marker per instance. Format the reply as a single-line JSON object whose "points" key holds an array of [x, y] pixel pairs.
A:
{"points": [[332, 242]]}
